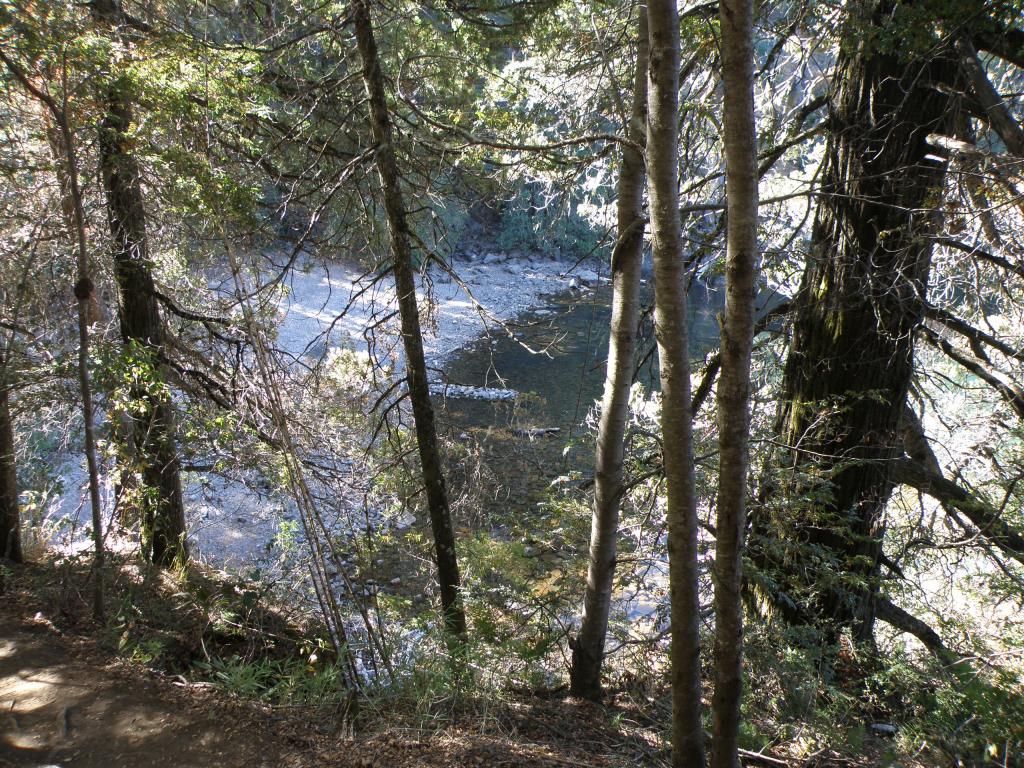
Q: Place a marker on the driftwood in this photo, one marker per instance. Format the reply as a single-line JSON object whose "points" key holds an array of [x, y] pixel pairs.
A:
{"points": [[536, 432], [756, 758]]}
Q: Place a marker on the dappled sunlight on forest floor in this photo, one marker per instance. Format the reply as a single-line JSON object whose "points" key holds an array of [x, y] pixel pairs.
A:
{"points": [[69, 700]]}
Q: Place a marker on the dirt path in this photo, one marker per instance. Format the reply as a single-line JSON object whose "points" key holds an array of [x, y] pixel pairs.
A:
{"points": [[57, 710]]}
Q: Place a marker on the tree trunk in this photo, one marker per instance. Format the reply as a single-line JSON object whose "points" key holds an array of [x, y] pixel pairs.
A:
{"points": [[740, 144], [152, 430], [83, 291], [627, 258], [674, 363], [415, 364], [10, 515], [851, 357]]}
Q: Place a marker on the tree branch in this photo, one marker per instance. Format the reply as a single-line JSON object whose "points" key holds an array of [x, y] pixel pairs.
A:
{"points": [[909, 472], [895, 616], [1000, 118], [1008, 390], [1007, 44]]}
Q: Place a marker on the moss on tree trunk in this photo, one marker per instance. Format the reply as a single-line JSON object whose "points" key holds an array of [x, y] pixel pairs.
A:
{"points": [[852, 353]]}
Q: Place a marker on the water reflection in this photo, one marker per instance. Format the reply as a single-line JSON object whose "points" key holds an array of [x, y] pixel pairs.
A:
{"points": [[557, 361]]}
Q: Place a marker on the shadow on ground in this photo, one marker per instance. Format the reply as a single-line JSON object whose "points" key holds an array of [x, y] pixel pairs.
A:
{"points": [[59, 711]]}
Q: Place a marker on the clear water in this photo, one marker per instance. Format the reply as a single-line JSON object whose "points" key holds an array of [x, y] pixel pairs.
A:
{"points": [[557, 361]]}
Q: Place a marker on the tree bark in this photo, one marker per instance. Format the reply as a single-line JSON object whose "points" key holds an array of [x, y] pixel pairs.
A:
{"points": [[673, 359], [412, 339], [851, 358], [627, 258], [10, 514], [142, 329], [740, 146]]}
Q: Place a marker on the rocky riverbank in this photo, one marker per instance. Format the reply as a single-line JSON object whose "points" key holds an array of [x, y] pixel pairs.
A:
{"points": [[333, 303]]}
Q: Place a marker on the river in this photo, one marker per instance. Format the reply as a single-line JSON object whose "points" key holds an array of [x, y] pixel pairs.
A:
{"points": [[556, 364]]}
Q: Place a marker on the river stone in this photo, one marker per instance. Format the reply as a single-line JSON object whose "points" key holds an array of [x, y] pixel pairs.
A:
{"points": [[492, 258]]}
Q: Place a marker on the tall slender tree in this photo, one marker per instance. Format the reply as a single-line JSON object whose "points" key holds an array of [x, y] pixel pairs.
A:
{"points": [[741, 176], [10, 514], [412, 338], [670, 328], [84, 288], [152, 426], [627, 258]]}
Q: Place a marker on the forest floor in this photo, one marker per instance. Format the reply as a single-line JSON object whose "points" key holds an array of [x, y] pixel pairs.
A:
{"points": [[66, 703], [69, 699]]}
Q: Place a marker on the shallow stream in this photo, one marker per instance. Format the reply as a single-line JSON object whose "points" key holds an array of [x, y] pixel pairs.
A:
{"points": [[556, 360], [556, 364]]}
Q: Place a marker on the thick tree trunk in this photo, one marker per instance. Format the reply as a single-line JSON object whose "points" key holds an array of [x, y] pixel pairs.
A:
{"points": [[10, 515], [740, 144], [674, 363], [627, 258], [851, 358], [152, 427], [415, 364], [153, 432]]}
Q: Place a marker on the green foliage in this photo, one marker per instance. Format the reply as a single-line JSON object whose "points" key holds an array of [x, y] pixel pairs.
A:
{"points": [[971, 715], [539, 221], [815, 697], [304, 679]]}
